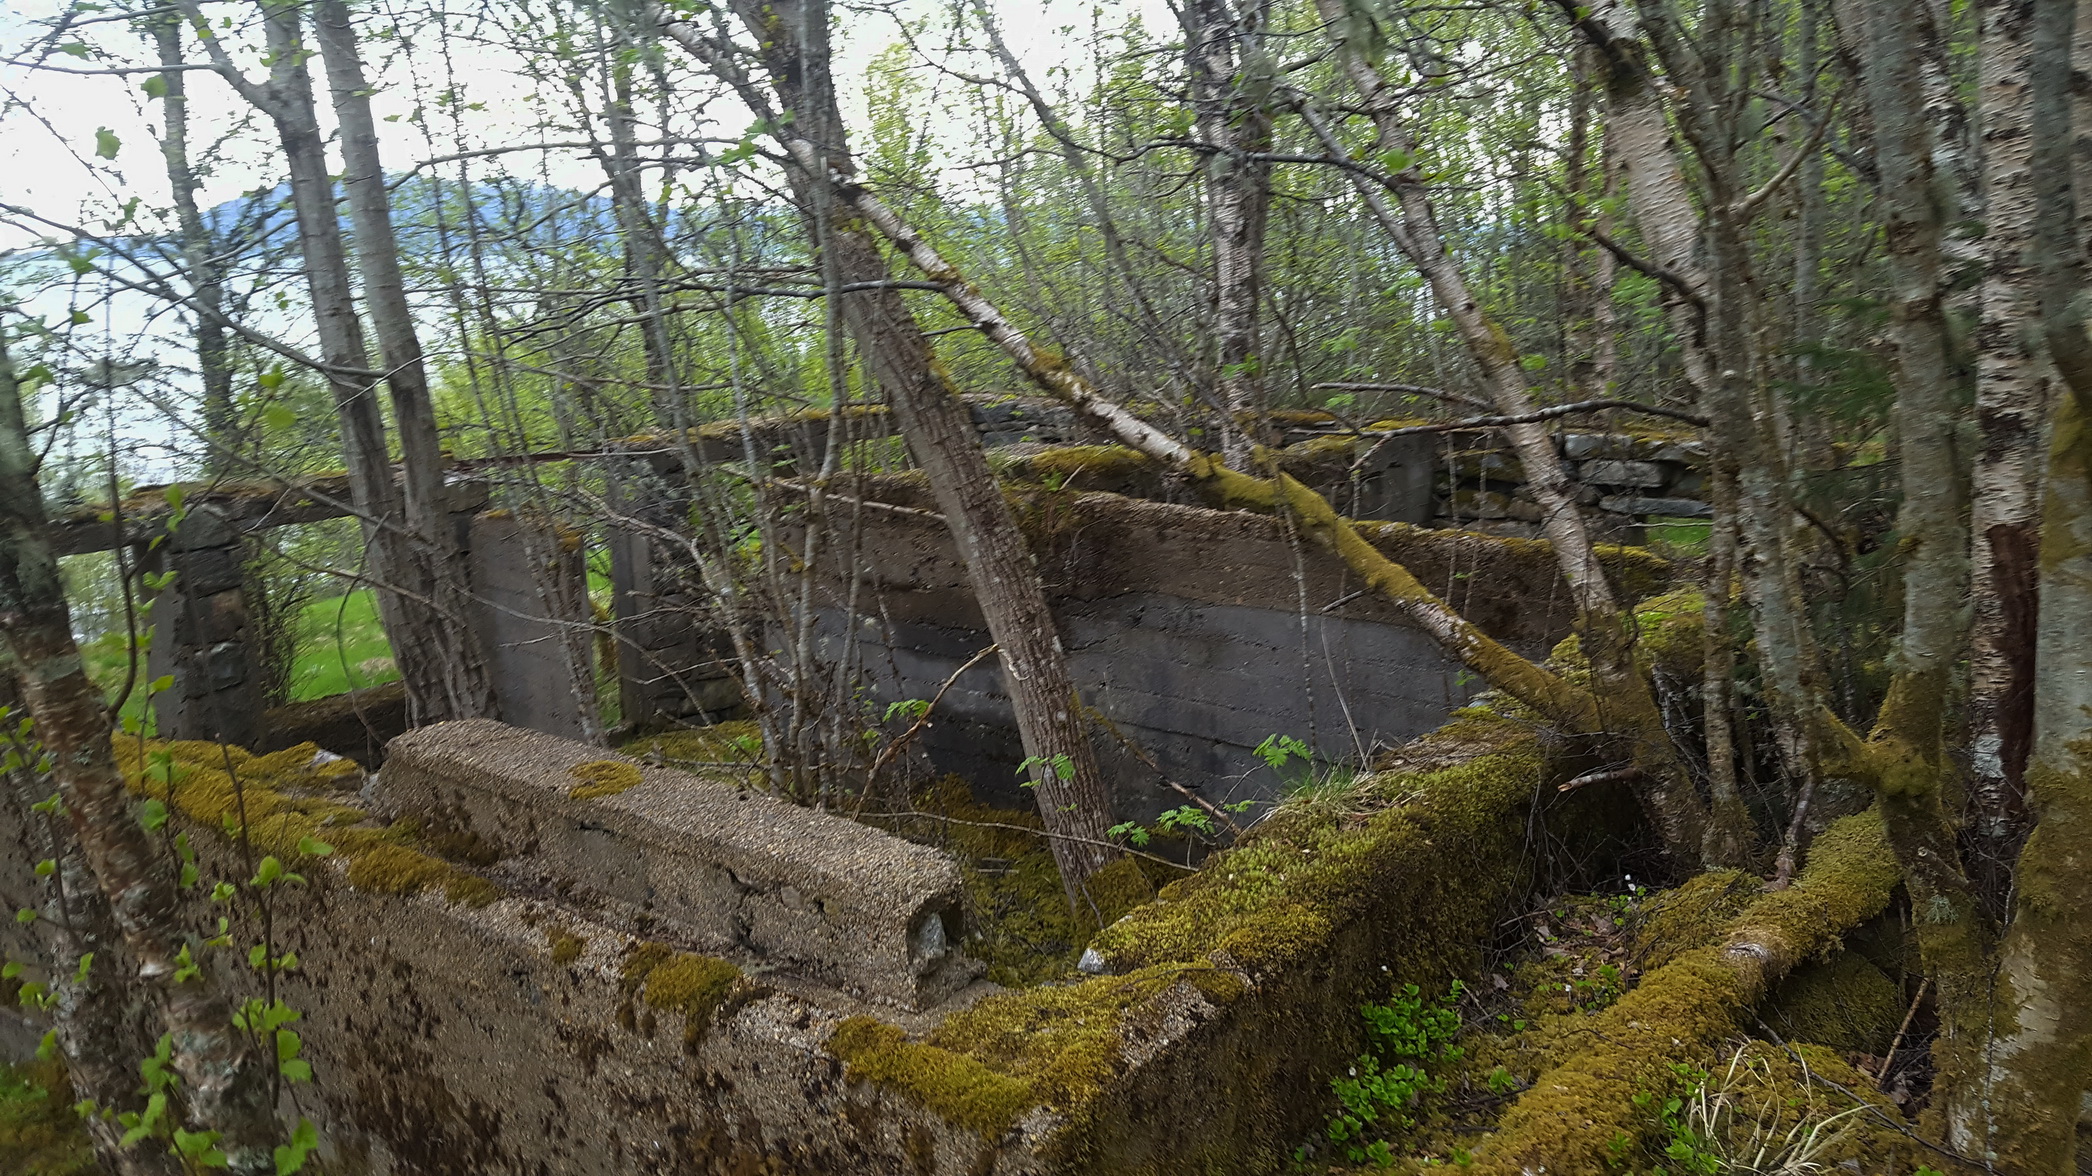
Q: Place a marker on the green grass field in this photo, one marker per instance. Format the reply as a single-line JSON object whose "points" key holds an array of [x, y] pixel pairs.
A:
{"points": [[342, 647]]}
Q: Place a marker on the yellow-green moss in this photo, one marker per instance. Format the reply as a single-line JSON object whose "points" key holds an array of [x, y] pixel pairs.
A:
{"points": [[603, 778], [1690, 915], [39, 1133], [679, 982], [281, 799], [1681, 1012], [951, 1085], [1070, 463], [1275, 896], [1844, 1002], [566, 946]]}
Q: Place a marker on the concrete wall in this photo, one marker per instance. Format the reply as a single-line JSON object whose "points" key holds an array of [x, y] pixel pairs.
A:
{"points": [[1198, 633]]}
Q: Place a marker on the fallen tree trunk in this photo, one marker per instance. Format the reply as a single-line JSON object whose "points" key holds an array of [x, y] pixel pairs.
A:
{"points": [[1570, 1118]]}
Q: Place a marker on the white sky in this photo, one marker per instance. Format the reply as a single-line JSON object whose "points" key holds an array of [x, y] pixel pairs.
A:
{"points": [[50, 123]]}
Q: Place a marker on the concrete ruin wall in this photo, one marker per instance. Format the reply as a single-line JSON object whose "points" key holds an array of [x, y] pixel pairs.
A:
{"points": [[530, 1020], [1198, 633]]}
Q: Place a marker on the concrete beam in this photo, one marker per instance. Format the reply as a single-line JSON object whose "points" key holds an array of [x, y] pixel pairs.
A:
{"points": [[726, 868]]}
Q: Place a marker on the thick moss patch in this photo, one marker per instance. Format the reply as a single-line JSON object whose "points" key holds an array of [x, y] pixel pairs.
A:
{"points": [[281, 799], [39, 1133], [1581, 1113], [679, 982], [953, 1086], [603, 778]]}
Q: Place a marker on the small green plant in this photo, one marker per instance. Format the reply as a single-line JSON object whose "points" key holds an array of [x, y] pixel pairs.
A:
{"points": [[1035, 767], [1406, 1038], [1188, 818], [1741, 1124]]}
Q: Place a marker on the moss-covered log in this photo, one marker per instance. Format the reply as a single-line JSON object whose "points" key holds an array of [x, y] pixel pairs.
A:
{"points": [[1579, 1113]]}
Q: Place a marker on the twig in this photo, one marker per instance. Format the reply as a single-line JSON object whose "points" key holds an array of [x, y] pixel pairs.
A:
{"points": [[1604, 777], [887, 753], [1881, 1080], [1415, 389]]}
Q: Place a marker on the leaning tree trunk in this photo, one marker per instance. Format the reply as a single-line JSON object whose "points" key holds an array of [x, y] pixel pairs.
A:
{"points": [[435, 643], [1230, 95], [225, 1078], [1666, 786], [1074, 802]]}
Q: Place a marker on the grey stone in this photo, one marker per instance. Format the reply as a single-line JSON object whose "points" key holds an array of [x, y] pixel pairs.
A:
{"points": [[1691, 508], [1644, 474]]}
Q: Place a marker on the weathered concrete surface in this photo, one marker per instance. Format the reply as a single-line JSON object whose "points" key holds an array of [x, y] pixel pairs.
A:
{"points": [[1198, 633], [725, 867], [530, 586]]}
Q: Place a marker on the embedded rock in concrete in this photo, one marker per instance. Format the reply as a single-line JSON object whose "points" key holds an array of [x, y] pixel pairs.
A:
{"points": [[725, 867]]}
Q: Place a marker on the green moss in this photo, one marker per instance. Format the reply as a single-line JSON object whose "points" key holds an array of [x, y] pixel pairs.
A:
{"points": [[732, 742], [1114, 890], [603, 778], [284, 797], [39, 1133], [1275, 896], [1691, 915], [678, 982], [1681, 1012], [1845, 1003], [1085, 466], [566, 946], [951, 1085]]}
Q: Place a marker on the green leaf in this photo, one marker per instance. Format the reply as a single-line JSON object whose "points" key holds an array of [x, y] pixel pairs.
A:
{"points": [[106, 144], [290, 1157], [269, 871], [46, 867], [155, 86], [279, 417], [1396, 160], [154, 815], [10, 970], [86, 962], [47, 1049], [223, 892], [313, 847], [74, 49], [161, 684], [25, 916]]}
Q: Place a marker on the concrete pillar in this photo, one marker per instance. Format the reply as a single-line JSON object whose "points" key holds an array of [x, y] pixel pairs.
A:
{"points": [[672, 667], [530, 594], [201, 635]]}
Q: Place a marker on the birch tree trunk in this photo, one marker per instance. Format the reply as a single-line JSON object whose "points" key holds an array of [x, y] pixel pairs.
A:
{"points": [[205, 271], [2011, 404], [2040, 1059], [1668, 788], [438, 650], [226, 1079], [419, 593], [1073, 797], [1230, 95]]}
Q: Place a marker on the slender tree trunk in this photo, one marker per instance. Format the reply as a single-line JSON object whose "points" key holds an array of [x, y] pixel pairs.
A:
{"points": [[100, 1021], [1667, 787], [1230, 94], [205, 271], [2011, 404], [1073, 798], [2040, 1061], [226, 1080], [435, 643]]}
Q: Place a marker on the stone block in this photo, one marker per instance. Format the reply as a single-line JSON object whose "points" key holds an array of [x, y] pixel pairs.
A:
{"points": [[1643, 474], [1690, 508], [724, 867]]}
